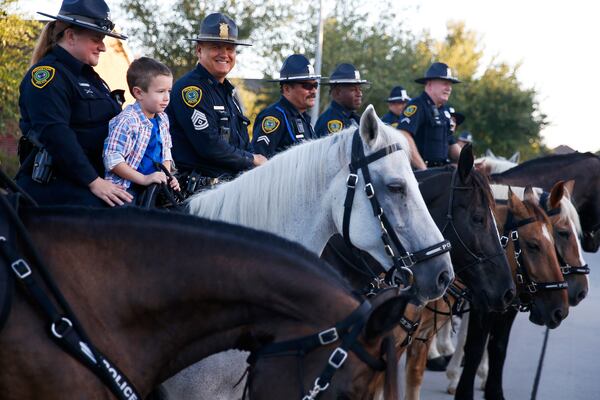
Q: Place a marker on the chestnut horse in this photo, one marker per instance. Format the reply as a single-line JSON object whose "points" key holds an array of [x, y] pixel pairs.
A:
{"points": [[157, 292]]}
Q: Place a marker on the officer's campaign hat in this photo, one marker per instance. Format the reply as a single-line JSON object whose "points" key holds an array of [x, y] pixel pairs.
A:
{"points": [[219, 27], [398, 95], [296, 68], [345, 73], [460, 118], [466, 136], [438, 70], [90, 14]]}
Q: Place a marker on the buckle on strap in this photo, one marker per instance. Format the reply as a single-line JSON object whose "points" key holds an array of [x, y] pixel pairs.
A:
{"points": [[504, 241], [338, 357], [21, 268], [369, 190], [352, 180], [66, 323], [514, 236], [407, 260], [328, 336]]}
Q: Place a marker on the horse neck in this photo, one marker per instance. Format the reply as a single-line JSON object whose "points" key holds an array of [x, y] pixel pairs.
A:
{"points": [[166, 311], [289, 196]]}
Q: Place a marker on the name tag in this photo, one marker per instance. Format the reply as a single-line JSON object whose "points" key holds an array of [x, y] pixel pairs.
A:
{"points": [[300, 126]]}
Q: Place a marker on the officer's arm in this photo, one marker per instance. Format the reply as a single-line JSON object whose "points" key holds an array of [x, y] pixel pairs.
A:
{"points": [[415, 158], [49, 109], [267, 132], [201, 127], [454, 152]]}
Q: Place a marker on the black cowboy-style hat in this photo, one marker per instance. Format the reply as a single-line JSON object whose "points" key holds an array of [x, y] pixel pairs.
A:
{"points": [[460, 118], [346, 73], [398, 95], [89, 14], [219, 27], [296, 68], [438, 70]]}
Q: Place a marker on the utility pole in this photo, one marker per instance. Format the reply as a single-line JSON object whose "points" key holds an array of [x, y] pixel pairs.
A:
{"points": [[314, 112]]}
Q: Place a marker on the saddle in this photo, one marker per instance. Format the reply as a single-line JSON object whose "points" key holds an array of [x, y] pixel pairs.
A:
{"points": [[7, 283]]}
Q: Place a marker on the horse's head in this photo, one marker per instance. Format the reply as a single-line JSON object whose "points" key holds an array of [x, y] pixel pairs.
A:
{"points": [[395, 188], [462, 205], [567, 228], [368, 369], [537, 264]]}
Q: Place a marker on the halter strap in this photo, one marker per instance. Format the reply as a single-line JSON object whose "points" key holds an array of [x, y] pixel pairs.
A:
{"points": [[404, 260]]}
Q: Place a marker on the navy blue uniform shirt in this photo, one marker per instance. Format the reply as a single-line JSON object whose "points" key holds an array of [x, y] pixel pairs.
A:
{"points": [[335, 118], [209, 131], [279, 126], [68, 106], [430, 127], [391, 119]]}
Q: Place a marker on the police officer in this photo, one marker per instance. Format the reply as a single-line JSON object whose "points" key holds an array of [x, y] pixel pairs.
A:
{"points": [[426, 120], [456, 119], [396, 105], [345, 89], [208, 128], [65, 109], [286, 122]]}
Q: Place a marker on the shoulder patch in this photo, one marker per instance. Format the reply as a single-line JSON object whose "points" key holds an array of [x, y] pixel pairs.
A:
{"points": [[191, 95], [270, 124], [335, 125], [410, 110], [40, 76]]}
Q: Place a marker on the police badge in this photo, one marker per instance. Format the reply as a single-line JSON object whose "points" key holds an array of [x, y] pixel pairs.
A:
{"points": [[335, 125], [191, 95], [40, 76], [270, 124]]}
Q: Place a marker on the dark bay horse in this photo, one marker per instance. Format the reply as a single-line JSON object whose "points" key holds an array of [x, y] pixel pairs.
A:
{"points": [[540, 288], [157, 291], [584, 168]]}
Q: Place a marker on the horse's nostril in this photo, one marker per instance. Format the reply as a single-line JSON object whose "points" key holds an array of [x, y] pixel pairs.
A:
{"points": [[443, 279], [509, 295], [581, 295], [558, 315]]}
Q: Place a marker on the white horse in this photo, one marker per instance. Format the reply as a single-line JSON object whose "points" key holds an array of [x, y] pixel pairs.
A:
{"points": [[299, 194], [568, 214], [493, 164]]}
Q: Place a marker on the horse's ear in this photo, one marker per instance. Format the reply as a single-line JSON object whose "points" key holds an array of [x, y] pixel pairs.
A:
{"points": [[465, 162], [515, 157], [369, 125], [514, 203], [569, 187], [489, 153], [388, 309], [530, 196], [556, 194]]}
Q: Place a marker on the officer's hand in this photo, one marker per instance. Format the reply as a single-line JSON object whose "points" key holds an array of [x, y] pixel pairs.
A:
{"points": [[259, 159], [155, 177], [109, 192], [174, 184]]}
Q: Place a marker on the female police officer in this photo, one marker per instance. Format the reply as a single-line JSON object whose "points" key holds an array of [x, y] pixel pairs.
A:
{"points": [[65, 108]]}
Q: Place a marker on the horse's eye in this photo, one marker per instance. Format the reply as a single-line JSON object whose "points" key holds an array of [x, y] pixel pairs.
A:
{"points": [[564, 234], [477, 219], [533, 246], [397, 188]]}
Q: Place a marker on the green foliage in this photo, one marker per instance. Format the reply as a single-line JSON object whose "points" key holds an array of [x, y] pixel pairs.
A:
{"points": [[17, 39]]}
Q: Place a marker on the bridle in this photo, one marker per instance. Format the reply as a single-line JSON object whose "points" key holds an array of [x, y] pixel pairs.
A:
{"points": [[511, 227], [346, 332], [565, 268], [400, 274]]}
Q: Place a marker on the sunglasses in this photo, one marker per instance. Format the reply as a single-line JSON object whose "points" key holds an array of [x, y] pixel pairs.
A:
{"points": [[309, 86]]}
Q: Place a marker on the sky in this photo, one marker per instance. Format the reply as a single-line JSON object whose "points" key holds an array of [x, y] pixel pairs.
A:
{"points": [[551, 40]]}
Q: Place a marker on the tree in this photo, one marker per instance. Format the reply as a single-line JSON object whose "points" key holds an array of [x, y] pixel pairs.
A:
{"points": [[17, 39]]}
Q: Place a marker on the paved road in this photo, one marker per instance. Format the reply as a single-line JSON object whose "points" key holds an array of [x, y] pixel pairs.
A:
{"points": [[571, 368]]}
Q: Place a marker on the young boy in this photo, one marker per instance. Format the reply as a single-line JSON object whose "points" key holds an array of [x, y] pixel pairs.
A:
{"points": [[138, 138]]}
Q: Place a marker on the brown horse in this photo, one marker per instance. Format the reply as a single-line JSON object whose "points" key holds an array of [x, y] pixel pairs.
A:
{"points": [[157, 292], [437, 313]]}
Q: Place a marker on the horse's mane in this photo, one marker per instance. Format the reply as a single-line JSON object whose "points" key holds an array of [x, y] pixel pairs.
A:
{"points": [[568, 212], [156, 221], [555, 161], [270, 188]]}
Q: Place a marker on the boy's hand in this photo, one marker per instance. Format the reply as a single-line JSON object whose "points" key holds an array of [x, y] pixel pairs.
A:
{"points": [[155, 177], [112, 194], [174, 184]]}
